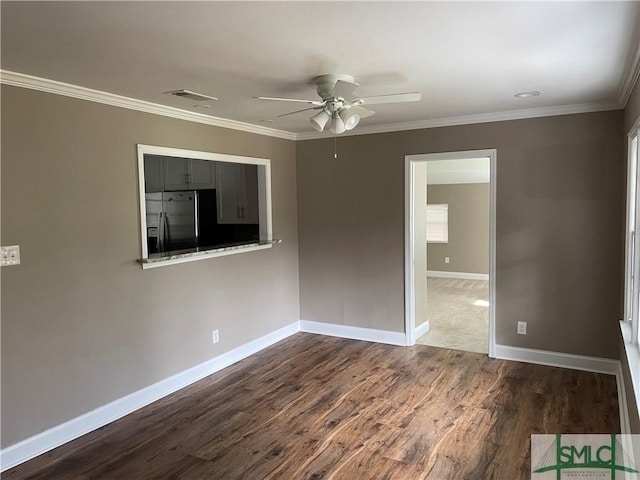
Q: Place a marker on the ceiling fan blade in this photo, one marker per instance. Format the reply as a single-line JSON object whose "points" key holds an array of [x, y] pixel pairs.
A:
{"points": [[344, 89], [363, 112], [310, 102], [298, 111], [391, 98]]}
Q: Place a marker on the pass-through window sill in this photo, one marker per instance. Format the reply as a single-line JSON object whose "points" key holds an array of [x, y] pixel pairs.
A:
{"points": [[192, 256]]}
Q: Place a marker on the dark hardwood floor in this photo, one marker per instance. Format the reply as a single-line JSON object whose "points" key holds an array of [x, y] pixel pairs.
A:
{"points": [[314, 407]]}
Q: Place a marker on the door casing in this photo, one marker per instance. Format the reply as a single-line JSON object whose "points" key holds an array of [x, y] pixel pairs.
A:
{"points": [[410, 162]]}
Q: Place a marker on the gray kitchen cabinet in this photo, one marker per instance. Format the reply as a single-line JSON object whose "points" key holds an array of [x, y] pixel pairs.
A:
{"points": [[188, 174], [153, 173], [202, 174], [237, 193], [250, 210], [176, 174]]}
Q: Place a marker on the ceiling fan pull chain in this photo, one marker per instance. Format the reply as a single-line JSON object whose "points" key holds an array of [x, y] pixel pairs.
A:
{"points": [[335, 149]]}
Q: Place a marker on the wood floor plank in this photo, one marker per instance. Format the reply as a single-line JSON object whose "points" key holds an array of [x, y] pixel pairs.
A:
{"points": [[314, 407]]}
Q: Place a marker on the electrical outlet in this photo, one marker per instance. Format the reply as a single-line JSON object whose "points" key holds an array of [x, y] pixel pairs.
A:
{"points": [[215, 336], [522, 328], [446, 259], [10, 255]]}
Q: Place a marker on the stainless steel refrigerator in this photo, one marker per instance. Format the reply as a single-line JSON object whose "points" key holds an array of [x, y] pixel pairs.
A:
{"points": [[172, 221]]}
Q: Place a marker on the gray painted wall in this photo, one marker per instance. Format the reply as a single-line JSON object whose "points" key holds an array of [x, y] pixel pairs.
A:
{"points": [[468, 245], [559, 221], [82, 323]]}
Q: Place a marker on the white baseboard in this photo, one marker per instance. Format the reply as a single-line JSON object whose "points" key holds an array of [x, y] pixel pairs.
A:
{"points": [[56, 436], [556, 359], [460, 275], [355, 333], [422, 329]]}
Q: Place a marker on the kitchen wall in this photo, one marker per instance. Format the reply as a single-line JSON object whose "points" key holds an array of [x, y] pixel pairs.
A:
{"points": [[468, 245], [559, 226], [82, 323]]}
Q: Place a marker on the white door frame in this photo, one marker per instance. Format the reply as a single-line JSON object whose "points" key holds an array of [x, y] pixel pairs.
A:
{"points": [[409, 169]]}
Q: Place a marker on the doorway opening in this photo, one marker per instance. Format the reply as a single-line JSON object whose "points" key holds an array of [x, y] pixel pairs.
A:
{"points": [[450, 250]]}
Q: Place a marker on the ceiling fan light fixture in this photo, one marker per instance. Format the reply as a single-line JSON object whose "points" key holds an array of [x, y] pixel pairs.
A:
{"points": [[337, 125], [338, 105], [349, 118], [319, 120]]}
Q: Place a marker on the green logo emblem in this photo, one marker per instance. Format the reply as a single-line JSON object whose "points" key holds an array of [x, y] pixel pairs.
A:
{"points": [[582, 456]]}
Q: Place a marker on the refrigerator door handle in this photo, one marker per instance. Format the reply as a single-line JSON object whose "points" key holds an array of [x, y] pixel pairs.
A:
{"points": [[160, 241], [196, 214], [166, 233]]}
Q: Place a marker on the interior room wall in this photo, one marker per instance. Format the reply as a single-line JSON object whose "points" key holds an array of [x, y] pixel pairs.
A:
{"points": [[468, 223], [82, 323], [559, 252]]}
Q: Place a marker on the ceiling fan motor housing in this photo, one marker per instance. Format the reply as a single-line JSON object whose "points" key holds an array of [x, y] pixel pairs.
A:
{"points": [[326, 84]]}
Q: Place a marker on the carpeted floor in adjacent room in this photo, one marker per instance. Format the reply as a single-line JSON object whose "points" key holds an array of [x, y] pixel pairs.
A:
{"points": [[458, 314]]}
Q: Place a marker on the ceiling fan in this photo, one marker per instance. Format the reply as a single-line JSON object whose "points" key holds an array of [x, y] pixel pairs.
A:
{"points": [[338, 106]]}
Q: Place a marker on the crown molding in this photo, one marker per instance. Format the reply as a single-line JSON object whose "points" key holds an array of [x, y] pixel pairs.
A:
{"points": [[52, 86], [470, 119], [631, 77]]}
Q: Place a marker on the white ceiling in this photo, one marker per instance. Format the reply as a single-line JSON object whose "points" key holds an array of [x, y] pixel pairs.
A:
{"points": [[467, 58]]}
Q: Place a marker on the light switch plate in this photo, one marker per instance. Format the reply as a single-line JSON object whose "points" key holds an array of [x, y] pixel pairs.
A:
{"points": [[10, 255]]}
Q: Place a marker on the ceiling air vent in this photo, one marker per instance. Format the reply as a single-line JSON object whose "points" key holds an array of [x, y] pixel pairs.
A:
{"points": [[198, 97]]}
